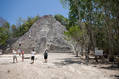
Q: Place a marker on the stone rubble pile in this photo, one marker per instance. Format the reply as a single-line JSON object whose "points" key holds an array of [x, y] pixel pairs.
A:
{"points": [[48, 33]]}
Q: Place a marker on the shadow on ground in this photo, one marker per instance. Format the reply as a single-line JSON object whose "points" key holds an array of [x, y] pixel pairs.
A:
{"points": [[68, 61], [111, 67], [6, 63], [116, 76], [27, 57]]}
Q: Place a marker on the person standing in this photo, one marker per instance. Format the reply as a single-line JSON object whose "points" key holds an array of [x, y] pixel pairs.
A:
{"points": [[33, 56], [14, 55], [19, 51], [46, 55], [22, 56]]}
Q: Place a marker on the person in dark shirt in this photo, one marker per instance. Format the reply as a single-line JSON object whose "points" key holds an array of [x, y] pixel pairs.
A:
{"points": [[46, 55]]}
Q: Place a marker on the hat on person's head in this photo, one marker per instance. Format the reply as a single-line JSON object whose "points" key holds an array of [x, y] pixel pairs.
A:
{"points": [[46, 49], [33, 50]]}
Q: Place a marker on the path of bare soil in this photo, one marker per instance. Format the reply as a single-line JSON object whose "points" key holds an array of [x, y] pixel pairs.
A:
{"points": [[59, 66]]}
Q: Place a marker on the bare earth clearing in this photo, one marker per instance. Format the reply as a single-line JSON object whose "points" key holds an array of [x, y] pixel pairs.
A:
{"points": [[59, 66]]}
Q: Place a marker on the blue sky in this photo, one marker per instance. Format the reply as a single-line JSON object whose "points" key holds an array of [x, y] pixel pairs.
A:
{"points": [[11, 10]]}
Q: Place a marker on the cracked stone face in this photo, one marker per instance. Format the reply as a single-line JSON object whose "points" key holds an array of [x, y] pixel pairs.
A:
{"points": [[45, 33]]}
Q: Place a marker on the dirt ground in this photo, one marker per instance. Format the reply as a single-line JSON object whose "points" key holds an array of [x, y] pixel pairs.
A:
{"points": [[59, 66]]}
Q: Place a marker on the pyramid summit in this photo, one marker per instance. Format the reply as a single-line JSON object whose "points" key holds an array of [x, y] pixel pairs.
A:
{"points": [[48, 33]]}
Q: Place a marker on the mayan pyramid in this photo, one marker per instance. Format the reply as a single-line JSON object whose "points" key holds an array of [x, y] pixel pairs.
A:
{"points": [[48, 33]]}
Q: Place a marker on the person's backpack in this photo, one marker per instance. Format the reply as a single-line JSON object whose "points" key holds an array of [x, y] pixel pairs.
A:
{"points": [[45, 54]]}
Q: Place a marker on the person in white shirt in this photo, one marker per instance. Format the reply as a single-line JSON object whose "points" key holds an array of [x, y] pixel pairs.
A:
{"points": [[33, 56], [19, 51], [14, 55]]}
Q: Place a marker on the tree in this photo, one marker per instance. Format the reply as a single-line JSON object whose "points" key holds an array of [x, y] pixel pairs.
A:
{"points": [[14, 30], [64, 21], [74, 33], [3, 36], [78, 9], [101, 22], [24, 25]]}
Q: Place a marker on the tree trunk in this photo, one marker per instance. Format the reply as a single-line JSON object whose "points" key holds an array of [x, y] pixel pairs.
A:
{"points": [[81, 51], [74, 51], [87, 55], [109, 33]]}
